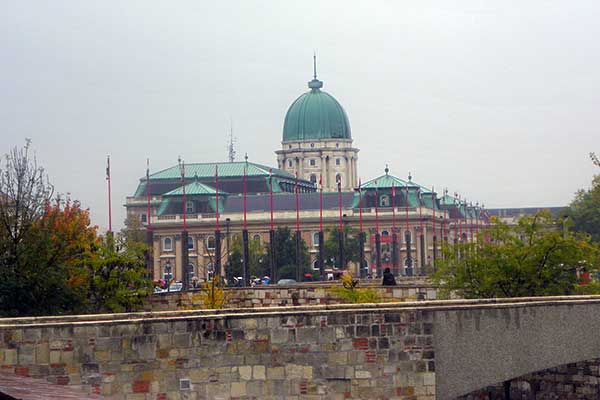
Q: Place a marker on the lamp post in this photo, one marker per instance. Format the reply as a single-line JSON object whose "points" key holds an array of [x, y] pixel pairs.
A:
{"points": [[227, 222]]}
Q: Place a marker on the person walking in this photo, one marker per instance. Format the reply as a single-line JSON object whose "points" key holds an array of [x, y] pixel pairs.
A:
{"points": [[388, 278]]}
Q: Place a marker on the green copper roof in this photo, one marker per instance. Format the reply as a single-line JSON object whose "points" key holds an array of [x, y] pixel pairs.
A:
{"points": [[193, 189], [226, 170], [386, 181], [316, 115]]}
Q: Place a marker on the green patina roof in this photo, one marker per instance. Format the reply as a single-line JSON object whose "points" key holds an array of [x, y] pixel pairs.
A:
{"points": [[316, 115], [193, 189], [226, 170], [385, 182]]}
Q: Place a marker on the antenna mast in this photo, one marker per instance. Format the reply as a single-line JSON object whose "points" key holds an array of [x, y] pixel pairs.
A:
{"points": [[230, 146]]}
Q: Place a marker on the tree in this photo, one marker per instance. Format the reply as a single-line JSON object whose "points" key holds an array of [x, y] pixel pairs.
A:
{"points": [[117, 278], [24, 195], [584, 211], [332, 247], [533, 258], [256, 252], [285, 255]]}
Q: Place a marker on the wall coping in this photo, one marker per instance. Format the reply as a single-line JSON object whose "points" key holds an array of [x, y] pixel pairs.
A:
{"points": [[169, 316]]}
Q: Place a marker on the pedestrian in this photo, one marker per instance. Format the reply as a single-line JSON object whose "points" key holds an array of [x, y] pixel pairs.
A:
{"points": [[388, 278]]}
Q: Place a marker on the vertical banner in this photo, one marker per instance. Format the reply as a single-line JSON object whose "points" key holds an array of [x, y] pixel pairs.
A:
{"points": [[246, 263], [321, 236], [342, 263], [185, 261], [272, 260], [218, 226], [298, 235], [361, 238], [395, 257], [246, 272]]}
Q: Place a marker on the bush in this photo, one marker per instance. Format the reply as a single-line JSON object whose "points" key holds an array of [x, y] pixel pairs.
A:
{"points": [[351, 294]]}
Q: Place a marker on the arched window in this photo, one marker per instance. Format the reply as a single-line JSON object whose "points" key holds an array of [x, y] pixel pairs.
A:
{"points": [[313, 178], [407, 236], [290, 162], [210, 243], [167, 244], [191, 271], [210, 270], [256, 238], [338, 178], [191, 243], [385, 233], [384, 200], [315, 237], [315, 265]]}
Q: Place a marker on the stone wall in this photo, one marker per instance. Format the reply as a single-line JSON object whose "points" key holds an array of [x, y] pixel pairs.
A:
{"points": [[314, 353], [577, 381], [293, 295]]}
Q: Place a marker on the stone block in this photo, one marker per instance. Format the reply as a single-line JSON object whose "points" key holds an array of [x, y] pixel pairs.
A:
{"points": [[245, 372], [259, 372], [238, 389], [274, 373]]}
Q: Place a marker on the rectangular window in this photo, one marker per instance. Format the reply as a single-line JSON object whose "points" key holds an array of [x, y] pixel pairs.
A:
{"points": [[143, 218], [337, 161], [312, 162], [189, 207]]}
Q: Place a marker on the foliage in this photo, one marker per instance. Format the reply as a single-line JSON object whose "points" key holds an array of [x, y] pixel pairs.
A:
{"points": [[285, 255], [351, 293], [212, 294], [592, 288], [118, 279], [256, 251], [533, 258], [332, 246], [584, 211], [51, 259]]}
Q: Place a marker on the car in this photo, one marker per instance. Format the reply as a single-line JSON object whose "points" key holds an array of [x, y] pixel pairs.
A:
{"points": [[286, 281]]}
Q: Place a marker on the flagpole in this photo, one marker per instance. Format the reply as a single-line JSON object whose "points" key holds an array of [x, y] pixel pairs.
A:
{"points": [[149, 256], [377, 235], [109, 195], [422, 235], [184, 234], [408, 236], [433, 227], [148, 222]]}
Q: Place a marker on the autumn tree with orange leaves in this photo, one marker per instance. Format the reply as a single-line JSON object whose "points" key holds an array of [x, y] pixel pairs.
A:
{"points": [[52, 260]]}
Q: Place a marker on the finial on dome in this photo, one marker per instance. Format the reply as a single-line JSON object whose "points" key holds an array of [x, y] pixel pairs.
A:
{"points": [[387, 169], [409, 177], [246, 157], [315, 84]]}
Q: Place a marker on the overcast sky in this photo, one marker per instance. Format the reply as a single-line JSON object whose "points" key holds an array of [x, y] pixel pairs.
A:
{"points": [[498, 100]]}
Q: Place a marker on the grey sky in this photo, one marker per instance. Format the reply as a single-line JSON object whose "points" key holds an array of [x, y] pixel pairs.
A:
{"points": [[498, 100]]}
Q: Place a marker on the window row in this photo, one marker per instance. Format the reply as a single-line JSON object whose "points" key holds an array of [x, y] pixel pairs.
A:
{"points": [[168, 244], [313, 162]]}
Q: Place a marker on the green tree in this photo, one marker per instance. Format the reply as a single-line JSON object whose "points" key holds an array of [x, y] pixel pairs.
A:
{"points": [[256, 252], [332, 246], [533, 258], [285, 255], [118, 279], [584, 211]]}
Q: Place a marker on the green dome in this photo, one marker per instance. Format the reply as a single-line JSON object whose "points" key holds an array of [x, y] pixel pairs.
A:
{"points": [[316, 115]]}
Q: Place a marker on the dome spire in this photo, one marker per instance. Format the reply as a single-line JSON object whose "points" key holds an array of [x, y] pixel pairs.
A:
{"points": [[315, 84]]}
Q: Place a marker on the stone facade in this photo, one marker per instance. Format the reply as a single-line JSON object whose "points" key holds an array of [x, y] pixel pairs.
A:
{"points": [[577, 381], [321, 354], [274, 296], [327, 158]]}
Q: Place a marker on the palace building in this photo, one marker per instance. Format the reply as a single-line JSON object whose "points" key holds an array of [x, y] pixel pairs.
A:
{"points": [[316, 144]]}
